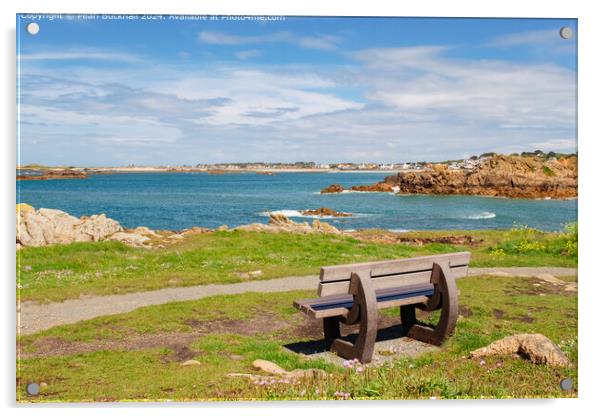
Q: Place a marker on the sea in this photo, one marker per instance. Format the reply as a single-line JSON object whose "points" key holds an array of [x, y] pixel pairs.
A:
{"points": [[174, 201]]}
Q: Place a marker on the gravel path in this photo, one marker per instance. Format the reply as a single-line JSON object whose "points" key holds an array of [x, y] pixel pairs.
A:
{"points": [[33, 317]]}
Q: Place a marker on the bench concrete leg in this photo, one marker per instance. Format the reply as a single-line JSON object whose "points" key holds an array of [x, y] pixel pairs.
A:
{"points": [[446, 298], [364, 309]]}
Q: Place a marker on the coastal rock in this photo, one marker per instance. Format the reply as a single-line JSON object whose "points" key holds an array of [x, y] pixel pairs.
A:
{"points": [[54, 174], [500, 175], [335, 188], [145, 231], [23, 209], [97, 228], [279, 220], [325, 212], [535, 347], [377, 187], [255, 227], [281, 223], [131, 239], [324, 227], [52, 226], [194, 231]]}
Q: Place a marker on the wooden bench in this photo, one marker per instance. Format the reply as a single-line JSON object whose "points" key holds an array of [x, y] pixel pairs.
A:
{"points": [[353, 293]]}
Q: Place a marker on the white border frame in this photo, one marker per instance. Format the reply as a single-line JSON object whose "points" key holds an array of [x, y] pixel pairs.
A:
{"points": [[589, 211]]}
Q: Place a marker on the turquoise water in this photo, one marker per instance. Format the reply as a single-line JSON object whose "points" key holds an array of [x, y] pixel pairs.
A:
{"points": [[181, 200]]}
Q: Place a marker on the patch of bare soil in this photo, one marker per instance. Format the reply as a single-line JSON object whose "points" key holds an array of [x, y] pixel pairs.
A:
{"points": [[180, 353], [387, 237], [498, 314], [463, 240], [536, 287], [176, 341], [464, 311], [525, 318]]}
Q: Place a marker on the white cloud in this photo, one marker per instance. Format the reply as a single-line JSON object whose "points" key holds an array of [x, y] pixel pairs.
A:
{"points": [[391, 104], [422, 79]]}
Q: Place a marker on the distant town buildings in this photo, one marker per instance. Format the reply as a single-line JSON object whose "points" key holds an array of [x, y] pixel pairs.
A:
{"points": [[466, 164]]}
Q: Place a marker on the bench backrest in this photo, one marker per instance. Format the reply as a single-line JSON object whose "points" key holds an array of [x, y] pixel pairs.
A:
{"points": [[334, 280]]}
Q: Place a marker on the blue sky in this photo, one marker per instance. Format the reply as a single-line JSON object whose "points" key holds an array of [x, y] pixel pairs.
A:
{"points": [[96, 92]]}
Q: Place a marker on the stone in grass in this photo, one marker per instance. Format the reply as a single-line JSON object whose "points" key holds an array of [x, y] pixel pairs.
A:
{"points": [[190, 363], [269, 367], [535, 347], [276, 370]]}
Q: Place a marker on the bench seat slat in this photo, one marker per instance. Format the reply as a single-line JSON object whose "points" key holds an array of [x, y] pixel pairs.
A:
{"points": [[340, 304], [326, 313]]}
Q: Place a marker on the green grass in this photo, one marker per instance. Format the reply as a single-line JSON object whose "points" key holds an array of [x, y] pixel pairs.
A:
{"points": [[61, 272], [232, 335], [548, 172]]}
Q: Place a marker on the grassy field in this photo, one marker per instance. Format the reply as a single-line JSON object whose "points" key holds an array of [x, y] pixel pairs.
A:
{"points": [[138, 355], [60, 272]]}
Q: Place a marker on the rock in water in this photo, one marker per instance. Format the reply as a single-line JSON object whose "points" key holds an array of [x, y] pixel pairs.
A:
{"points": [[535, 347], [335, 188], [377, 187], [325, 212]]}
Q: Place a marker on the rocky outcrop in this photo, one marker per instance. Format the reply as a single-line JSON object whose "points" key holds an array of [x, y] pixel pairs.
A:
{"points": [[45, 226], [503, 176], [130, 238], [54, 174], [325, 212], [51, 226], [535, 347], [278, 223]]}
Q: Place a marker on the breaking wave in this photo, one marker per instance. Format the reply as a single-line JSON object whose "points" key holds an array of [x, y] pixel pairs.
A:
{"points": [[292, 213], [482, 215]]}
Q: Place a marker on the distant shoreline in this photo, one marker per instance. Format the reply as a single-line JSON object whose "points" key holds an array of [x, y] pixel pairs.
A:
{"points": [[225, 171]]}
